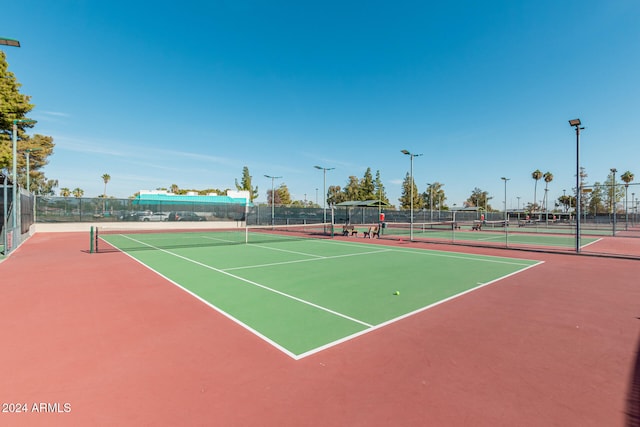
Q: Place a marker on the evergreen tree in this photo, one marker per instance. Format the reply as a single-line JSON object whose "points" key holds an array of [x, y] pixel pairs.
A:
{"points": [[367, 187], [405, 200], [479, 198], [16, 106], [284, 195], [352, 190], [596, 199], [245, 184], [379, 189], [614, 193], [335, 195]]}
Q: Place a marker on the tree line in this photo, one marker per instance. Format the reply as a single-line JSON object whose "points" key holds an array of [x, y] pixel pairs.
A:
{"points": [[36, 149]]}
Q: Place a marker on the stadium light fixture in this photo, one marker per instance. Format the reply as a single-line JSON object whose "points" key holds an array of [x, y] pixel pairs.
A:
{"points": [[273, 197], [324, 197], [406, 152], [577, 124]]}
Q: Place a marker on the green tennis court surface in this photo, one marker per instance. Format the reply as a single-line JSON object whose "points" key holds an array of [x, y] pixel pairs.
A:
{"points": [[304, 295]]}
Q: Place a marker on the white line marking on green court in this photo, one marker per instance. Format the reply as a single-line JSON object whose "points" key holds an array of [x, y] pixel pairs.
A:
{"points": [[320, 258], [222, 312], [432, 252], [309, 303], [404, 316], [286, 250]]}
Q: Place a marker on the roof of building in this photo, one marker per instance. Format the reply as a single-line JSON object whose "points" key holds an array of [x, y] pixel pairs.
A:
{"points": [[364, 203]]}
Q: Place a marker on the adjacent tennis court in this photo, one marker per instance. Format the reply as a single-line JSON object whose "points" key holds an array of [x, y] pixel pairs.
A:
{"points": [[304, 294], [526, 237]]}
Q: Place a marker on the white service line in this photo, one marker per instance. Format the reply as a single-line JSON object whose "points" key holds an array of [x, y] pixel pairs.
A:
{"points": [[320, 258]]}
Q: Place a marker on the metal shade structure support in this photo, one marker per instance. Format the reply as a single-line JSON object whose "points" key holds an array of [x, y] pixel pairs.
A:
{"points": [[405, 152], [577, 124], [324, 186]]}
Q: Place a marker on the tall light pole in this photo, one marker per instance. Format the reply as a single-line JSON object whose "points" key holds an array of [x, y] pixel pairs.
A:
{"points": [[626, 206], [576, 123], [613, 198], [14, 214], [506, 218], [430, 201], [273, 197], [411, 155], [324, 187]]}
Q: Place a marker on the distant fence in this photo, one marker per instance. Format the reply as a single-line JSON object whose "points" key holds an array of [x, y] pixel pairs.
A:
{"points": [[72, 209]]}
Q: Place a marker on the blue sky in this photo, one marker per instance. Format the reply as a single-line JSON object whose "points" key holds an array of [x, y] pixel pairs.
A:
{"points": [[187, 93]]}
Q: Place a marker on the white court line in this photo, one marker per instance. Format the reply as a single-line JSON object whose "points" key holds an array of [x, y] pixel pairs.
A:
{"points": [[436, 253], [286, 250], [404, 316], [320, 258], [595, 241], [275, 291]]}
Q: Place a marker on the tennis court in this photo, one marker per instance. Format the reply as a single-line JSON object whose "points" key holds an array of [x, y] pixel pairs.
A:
{"points": [[305, 294], [531, 237]]}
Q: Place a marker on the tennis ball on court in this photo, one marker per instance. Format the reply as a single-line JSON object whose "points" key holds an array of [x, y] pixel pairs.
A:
{"points": [[396, 293]]}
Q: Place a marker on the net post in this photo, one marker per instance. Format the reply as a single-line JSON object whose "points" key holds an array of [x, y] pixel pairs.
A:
{"points": [[91, 249], [96, 239]]}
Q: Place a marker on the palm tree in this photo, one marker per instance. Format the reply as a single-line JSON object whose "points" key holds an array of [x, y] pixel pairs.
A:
{"points": [[106, 178], [548, 177], [78, 193], [65, 192], [537, 175], [627, 177]]}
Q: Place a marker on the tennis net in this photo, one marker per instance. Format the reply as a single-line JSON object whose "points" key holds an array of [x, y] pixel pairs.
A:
{"points": [[402, 228], [109, 239]]}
